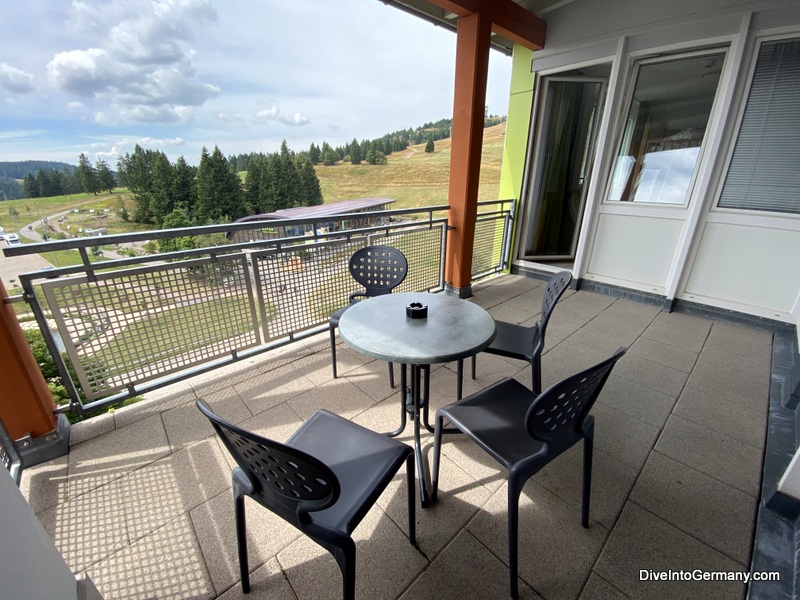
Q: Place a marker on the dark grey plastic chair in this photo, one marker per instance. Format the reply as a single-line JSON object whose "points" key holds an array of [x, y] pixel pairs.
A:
{"points": [[525, 343], [323, 481], [379, 269], [9, 455], [524, 432]]}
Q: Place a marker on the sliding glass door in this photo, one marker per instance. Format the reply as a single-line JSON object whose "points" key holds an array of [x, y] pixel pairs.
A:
{"points": [[570, 109]]}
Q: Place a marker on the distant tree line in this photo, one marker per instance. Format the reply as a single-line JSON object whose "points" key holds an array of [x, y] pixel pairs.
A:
{"points": [[180, 195], [71, 180]]}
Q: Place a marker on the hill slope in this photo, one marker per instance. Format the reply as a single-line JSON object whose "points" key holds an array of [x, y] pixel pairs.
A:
{"points": [[412, 177]]}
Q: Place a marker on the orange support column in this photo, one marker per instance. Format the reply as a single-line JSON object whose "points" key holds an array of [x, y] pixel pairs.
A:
{"points": [[472, 68], [26, 404]]}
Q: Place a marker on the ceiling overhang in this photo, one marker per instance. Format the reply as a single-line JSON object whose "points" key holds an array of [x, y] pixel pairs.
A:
{"points": [[513, 21]]}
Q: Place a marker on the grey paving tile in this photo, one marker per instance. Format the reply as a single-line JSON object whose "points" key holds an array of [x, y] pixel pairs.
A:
{"points": [[340, 396], [267, 581], [628, 313], [665, 354], [465, 569], [636, 400], [555, 552], [743, 341], [735, 388], [165, 564], [108, 457], [91, 428], [718, 414], [509, 314], [735, 366], [643, 542], [174, 485], [460, 498], [373, 379], [185, 424], [705, 508], [598, 588], [651, 374], [277, 423], [45, 485], [567, 359], [89, 527], [267, 534], [386, 563], [717, 455], [265, 390], [626, 439], [683, 331], [580, 308], [153, 404], [606, 343], [612, 481]]}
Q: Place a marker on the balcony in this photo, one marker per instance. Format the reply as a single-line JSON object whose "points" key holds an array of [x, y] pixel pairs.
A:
{"points": [[142, 503]]}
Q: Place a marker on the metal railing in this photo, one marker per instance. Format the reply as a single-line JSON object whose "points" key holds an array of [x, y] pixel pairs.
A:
{"points": [[135, 324]]}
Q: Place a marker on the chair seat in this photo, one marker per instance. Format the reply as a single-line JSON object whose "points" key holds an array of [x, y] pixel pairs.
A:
{"points": [[514, 341], [364, 462], [497, 414]]}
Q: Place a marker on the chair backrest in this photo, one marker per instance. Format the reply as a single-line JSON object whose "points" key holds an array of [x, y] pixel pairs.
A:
{"points": [[561, 409], [556, 287], [379, 269], [9, 455], [285, 479]]}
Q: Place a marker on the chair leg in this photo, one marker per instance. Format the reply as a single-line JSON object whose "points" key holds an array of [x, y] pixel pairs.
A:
{"points": [[391, 375], [333, 350], [536, 374], [345, 556], [459, 378], [474, 360], [412, 503], [588, 445], [514, 491], [241, 539], [437, 451]]}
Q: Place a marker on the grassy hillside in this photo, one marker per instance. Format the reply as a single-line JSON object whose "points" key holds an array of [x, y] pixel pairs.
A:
{"points": [[412, 177]]}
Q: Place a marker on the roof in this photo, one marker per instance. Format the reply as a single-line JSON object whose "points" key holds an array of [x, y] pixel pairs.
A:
{"points": [[322, 210]]}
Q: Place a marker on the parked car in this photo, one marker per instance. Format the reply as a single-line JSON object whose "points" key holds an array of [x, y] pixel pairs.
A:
{"points": [[12, 239]]}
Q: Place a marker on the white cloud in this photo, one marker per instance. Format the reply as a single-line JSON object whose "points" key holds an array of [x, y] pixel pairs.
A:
{"points": [[15, 80], [273, 113], [142, 66]]}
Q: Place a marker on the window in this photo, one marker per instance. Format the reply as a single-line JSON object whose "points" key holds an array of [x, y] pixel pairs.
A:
{"points": [[764, 171], [667, 119]]}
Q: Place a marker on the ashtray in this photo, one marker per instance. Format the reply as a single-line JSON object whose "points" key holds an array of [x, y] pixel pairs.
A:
{"points": [[417, 310]]}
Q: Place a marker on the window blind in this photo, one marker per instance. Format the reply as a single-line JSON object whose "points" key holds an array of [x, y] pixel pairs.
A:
{"points": [[764, 172]]}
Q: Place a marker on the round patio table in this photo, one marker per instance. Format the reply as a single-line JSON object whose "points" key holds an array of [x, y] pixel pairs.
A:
{"points": [[453, 329]]}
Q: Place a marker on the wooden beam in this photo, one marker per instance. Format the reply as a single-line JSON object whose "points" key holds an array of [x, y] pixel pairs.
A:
{"points": [[472, 66], [508, 19]]}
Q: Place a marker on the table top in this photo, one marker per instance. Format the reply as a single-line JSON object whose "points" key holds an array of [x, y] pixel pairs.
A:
{"points": [[454, 328]]}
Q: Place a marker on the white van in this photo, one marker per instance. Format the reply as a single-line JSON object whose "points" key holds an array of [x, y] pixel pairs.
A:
{"points": [[12, 239]]}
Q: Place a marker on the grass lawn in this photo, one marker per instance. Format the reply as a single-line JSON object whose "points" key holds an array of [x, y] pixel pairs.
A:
{"points": [[412, 177]]}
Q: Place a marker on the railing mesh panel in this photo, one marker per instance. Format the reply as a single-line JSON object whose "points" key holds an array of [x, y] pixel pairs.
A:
{"points": [[487, 253], [301, 286], [139, 324]]}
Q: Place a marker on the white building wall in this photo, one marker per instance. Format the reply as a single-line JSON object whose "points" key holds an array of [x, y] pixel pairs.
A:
{"points": [[742, 260], [30, 566]]}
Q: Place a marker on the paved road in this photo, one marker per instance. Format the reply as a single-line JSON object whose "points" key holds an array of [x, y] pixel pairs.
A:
{"points": [[11, 267]]}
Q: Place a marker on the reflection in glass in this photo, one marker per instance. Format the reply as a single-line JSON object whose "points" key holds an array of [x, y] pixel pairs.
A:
{"points": [[665, 127]]}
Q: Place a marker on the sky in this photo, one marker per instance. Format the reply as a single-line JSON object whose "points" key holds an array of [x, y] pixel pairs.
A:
{"points": [[100, 76]]}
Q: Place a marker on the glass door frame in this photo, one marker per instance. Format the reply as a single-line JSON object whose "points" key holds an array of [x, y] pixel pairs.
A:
{"points": [[542, 111]]}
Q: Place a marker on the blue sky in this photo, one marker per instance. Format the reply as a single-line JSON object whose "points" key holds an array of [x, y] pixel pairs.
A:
{"points": [[99, 76]]}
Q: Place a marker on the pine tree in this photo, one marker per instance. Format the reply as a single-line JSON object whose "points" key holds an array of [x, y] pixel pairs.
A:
{"points": [[184, 190], [355, 153], [429, 146], [87, 175], [105, 178], [161, 202], [314, 154], [30, 186], [219, 189], [309, 183]]}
